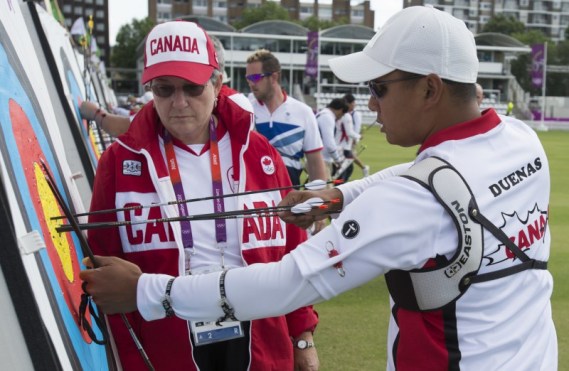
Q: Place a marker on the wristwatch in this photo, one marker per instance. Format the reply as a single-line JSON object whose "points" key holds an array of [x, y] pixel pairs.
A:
{"points": [[303, 344]]}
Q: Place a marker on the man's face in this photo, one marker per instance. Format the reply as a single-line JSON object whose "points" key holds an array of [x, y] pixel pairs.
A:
{"points": [[396, 98], [260, 83]]}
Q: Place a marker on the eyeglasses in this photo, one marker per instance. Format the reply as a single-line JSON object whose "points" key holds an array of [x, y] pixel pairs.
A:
{"points": [[378, 89], [256, 77], [166, 90]]}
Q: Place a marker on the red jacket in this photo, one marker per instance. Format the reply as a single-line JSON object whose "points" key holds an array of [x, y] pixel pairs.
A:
{"points": [[132, 166]]}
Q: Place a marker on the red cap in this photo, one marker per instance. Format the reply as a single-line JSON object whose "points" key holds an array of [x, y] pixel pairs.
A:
{"points": [[181, 49]]}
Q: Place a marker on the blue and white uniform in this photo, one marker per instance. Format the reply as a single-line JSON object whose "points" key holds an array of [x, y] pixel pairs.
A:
{"points": [[291, 129]]}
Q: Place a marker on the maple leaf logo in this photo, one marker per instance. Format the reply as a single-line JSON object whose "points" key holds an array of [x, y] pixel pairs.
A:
{"points": [[526, 233], [268, 165]]}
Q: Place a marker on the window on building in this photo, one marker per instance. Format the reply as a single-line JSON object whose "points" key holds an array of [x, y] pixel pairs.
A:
{"points": [[100, 2], [88, 1], [220, 4], [164, 16], [100, 14], [485, 6], [100, 26], [325, 13], [200, 3], [524, 2], [357, 13], [67, 8], [78, 10]]}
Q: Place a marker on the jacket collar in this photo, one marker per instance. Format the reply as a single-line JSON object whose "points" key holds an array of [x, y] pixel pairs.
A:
{"points": [[486, 122]]}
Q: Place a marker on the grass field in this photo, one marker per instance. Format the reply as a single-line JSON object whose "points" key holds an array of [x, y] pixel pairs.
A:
{"points": [[353, 327]]}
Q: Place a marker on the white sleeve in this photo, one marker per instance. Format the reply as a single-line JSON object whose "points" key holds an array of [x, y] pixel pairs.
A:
{"points": [[366, 244], [357, 118], [326, 125], [256, 291], [353, 189], [348, 123]]}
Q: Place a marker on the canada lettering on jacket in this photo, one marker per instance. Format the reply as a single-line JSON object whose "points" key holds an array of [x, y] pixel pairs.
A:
{"points": [[263, 228], [533, 232], [143, 233], [172, 43], [515, 178]]}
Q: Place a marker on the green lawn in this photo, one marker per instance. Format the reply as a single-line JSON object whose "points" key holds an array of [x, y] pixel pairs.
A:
{"points": [[353, 327]]}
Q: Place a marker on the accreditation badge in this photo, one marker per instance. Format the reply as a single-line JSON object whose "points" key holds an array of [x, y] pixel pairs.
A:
{"points": [[212, 332]]}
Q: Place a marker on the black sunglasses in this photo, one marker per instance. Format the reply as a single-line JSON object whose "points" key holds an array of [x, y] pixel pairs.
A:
{"points": [[167, 90], [254, 78], [379, 88]]}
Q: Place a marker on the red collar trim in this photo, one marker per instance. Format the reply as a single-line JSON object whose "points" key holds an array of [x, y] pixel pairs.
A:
{"points": [[486, 122]]}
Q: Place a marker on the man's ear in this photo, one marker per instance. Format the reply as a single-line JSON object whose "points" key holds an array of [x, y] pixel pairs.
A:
{"points": [[434, 87]]}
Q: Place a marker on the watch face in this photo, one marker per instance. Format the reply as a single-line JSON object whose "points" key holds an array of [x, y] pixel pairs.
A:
{"points": [[301, 344]]}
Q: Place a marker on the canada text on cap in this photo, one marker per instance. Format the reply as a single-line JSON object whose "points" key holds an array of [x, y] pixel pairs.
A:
{"points": [[181, 49]]}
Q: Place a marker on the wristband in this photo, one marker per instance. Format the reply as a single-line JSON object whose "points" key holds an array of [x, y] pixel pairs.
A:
{"points": [[167, 301], [227, 309]]}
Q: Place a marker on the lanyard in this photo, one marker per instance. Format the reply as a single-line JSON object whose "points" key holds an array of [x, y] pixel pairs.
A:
{"points": [[217, 187]]}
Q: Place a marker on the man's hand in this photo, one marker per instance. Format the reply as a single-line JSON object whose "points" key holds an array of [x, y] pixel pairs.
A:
{"points": [[316, 214], [113, 284]]}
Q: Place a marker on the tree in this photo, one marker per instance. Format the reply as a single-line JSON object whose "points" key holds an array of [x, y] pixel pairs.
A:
{"points": [[129, 37], [269, 10], [505, 25], [315, 24]]}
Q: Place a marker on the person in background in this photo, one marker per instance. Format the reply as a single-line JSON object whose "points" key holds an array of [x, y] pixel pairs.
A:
{"points": [[195, 140], [357, 124], [461, 236], [326, 118], [288, 124]]}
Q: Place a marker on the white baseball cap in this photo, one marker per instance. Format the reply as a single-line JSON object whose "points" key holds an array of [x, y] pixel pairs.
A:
{"points": [[181, 49], [418, 39]]}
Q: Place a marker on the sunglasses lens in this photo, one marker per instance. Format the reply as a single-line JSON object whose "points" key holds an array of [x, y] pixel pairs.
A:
{"points": [[166, 91], [163, 91], [377, 90], [193, 90], [254, 78]]}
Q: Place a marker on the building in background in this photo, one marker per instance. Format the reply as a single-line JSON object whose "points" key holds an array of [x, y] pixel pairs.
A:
{"points": [[549, 16], [99, 9], [230, 11]]}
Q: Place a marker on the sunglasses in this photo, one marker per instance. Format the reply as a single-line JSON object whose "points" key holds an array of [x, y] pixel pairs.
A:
{"points": [[379, 88], [166, 90], [256, 77]]}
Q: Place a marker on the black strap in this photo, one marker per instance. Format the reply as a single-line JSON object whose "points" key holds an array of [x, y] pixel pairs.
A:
{"points": [[86, 302], [530, 264], [499, 234], [526, 261]]}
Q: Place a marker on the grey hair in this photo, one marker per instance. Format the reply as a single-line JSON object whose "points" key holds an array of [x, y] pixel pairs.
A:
{"points": [[220, 51]]}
